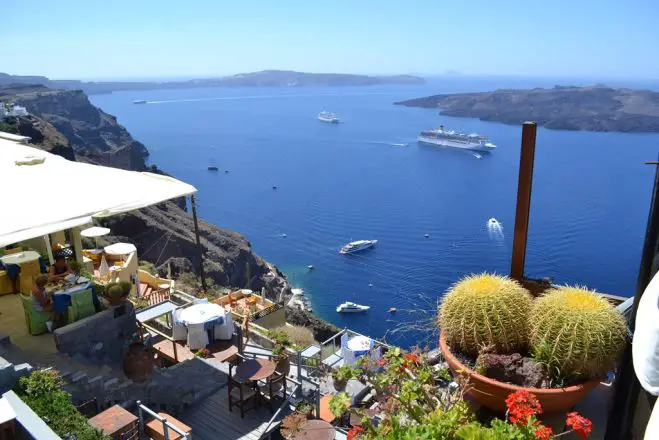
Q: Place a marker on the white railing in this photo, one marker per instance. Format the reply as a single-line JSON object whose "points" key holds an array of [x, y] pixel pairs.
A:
{"points": [[163, 420]]}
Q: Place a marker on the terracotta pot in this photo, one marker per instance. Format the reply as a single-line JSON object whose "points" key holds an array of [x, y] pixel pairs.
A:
{"points": [[339, 385], [492, 393], [138, 362], [283, 365]]}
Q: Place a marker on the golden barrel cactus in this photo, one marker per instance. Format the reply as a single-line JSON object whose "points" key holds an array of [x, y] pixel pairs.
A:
{"points": [[486, 310], [579, 329]]}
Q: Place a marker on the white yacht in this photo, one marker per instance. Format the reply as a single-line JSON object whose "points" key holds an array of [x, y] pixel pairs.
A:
{"points": [[453, 139], [328, 117], [351, 307], [357, 246]]}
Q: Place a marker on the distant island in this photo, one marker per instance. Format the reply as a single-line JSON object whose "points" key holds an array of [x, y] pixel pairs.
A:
{"points": [[593, 108], [265, 78]]}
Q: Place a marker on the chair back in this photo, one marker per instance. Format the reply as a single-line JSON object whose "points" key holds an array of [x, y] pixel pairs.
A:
{"points": [[83, 304]]}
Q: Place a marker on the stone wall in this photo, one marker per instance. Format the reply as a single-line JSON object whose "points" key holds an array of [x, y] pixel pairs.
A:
{"points": [[272, 320], [99, 338]]}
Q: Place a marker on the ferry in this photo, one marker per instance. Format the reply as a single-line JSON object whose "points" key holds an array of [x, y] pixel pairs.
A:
{"points": [[139, 101], [453, 139], [351, 307], [357, 246], [328, 117]]}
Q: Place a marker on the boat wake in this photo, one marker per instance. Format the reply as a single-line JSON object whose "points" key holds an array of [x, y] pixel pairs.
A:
{"points": [[495, 229]]}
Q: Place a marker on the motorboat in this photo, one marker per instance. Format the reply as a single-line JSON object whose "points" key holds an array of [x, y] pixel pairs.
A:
{"points": [[351, 307], [357, 246], [212, 168], [493, 222], [328, 117]]}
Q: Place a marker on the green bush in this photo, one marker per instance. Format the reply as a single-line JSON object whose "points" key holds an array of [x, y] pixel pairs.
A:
{"points": [[42, 392], [486, 310], [577, 332]]}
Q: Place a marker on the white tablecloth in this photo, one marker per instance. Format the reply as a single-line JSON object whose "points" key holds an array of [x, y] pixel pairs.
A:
{"points": [[20, 257], [201, 313]]}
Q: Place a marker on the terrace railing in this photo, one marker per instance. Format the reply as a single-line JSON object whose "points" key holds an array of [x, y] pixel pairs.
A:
{"points": [[165, 424]]}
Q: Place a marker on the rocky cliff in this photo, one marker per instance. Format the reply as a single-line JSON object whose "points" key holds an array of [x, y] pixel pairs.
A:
{"points": [[595, 108], [64, 122], [90, 131]]}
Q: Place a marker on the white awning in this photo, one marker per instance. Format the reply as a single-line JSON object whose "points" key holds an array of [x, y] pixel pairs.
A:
{"points": [[43, 193]]}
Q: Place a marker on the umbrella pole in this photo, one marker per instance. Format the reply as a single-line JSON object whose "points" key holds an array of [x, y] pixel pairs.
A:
{"points": [[199, 249]]}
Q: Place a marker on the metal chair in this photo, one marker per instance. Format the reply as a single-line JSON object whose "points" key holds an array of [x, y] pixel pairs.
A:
{"points": [[240, 394]]}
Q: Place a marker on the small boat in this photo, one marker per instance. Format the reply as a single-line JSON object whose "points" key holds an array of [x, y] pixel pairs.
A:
{"points": [[283, 235], [351, 307], [493, 222], [426, 235], [139, 101], [357, 246], [310, 267], [274, 187], [370, 284], [328, 117], [392, 309], [226, 171], [212, 168]]}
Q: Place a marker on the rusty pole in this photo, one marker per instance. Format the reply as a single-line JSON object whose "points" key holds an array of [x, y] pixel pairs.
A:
{"points": [[526, 159]]}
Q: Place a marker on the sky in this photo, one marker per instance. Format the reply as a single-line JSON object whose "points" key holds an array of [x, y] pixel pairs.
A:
{"points": [[88, 39]]}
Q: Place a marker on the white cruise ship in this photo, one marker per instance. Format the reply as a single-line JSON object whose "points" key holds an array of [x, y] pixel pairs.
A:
{"points": [[328, 117], [453, 139], [357, 246], [351, 307]]}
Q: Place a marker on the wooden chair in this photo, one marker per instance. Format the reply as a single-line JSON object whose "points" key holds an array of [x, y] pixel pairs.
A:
{"points": [[272, 390], [240, 394], [133, 433]]}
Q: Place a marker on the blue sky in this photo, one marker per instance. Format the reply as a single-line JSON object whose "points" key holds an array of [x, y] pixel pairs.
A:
{"points": [[146, 38]]}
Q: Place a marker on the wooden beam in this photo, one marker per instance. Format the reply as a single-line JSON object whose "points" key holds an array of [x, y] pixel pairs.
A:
{"points": [[522, 214]]}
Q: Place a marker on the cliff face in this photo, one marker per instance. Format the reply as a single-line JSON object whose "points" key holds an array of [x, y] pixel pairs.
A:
{"points": [[597, 108], [64, 122], [91, 132]]}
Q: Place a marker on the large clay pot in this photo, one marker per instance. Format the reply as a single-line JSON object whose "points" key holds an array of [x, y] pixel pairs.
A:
{"points": [[283, 365], [492, 393], [339, 385], [138, 362]]}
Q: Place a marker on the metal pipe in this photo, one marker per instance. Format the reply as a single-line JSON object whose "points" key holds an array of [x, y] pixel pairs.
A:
{"points": [[622, 414], [522, 213], [202, 276]]}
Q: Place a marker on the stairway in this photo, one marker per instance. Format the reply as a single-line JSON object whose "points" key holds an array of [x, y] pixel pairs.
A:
{"points": [[170, 390]]}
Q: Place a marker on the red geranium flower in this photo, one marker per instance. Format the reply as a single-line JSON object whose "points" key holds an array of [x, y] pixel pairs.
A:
{"points": [[521, 406], [581, 425], [355, 432], [543, 433]]}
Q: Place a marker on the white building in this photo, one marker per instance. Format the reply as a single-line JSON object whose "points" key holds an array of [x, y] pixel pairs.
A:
{"points": [[12, 110]]}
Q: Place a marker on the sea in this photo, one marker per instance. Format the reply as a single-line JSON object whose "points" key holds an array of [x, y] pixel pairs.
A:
{"points": [[367, 178]]}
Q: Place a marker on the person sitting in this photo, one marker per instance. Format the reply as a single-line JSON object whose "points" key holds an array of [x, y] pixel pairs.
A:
{"points": [[60, 269], [41, 301]]}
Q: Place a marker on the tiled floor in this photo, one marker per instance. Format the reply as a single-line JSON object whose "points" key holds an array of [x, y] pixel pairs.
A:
{"points": [[12, 323]]}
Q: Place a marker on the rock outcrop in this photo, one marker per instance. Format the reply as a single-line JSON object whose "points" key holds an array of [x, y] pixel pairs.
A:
{"points": [[595, 108]]}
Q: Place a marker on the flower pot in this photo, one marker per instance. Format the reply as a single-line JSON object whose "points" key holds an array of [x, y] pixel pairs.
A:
{"points": [[492, 393], [283, 365], [339, 385], [138, 362]]}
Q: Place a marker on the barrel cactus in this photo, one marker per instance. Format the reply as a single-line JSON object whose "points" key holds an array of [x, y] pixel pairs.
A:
{"points": [[114, 292], [486, 310], [580, 330]]}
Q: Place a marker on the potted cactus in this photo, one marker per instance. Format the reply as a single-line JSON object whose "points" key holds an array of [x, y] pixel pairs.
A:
{"points": [[497, 314], [116, 292]]}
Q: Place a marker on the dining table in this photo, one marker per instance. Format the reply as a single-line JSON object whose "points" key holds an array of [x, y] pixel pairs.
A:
{"points": [[255, 369], [316, 430], [199, 320]]}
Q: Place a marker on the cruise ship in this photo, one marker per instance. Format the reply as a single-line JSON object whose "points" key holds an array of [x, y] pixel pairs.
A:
{"points": [[357, 246], [453, 139], [328, 117]]}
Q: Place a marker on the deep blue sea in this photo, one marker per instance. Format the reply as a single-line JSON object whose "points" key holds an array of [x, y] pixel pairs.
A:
{"points": [[338, 183]]}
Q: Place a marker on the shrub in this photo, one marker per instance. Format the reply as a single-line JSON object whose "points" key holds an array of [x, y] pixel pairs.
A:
{"points": [[147, 266], [344, 373], [42, 392], [486, 310], [296, 335], [577, 331], [339, 404]]}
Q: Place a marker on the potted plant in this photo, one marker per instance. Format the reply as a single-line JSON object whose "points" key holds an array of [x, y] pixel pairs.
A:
{"points": [[341, 376], [203, 353], [487, 318], [114, 294], [281, 358], [338, 406], [306, 408]]}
